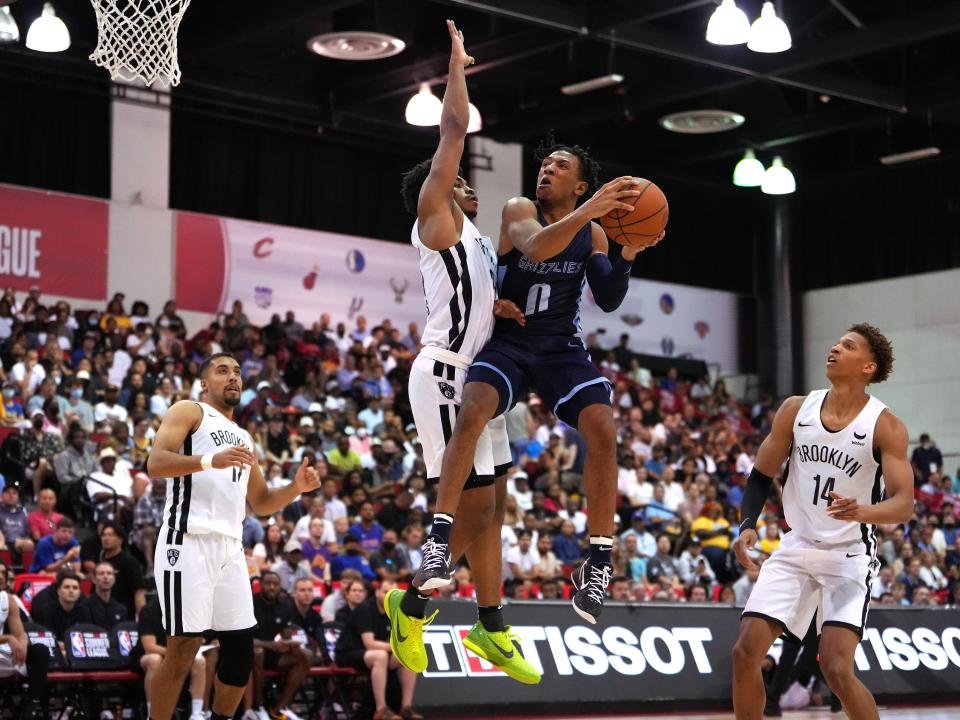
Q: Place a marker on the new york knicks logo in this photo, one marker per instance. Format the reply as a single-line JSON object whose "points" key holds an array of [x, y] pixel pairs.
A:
{"points": [[355, 261], [173, 556], [447, 390]]}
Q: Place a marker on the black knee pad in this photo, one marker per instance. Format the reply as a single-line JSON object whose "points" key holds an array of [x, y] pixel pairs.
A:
{"points": [[236, 659]]}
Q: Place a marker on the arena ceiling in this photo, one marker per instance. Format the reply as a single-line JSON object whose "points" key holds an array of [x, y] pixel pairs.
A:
{"points": [[864, 78]]}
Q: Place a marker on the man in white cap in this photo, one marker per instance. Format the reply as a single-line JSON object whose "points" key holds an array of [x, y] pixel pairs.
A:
{"points": [[109, 489], [293, 567]]}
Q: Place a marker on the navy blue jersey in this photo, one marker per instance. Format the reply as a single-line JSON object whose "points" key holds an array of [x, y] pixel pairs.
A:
{"points": [[547, 292]]}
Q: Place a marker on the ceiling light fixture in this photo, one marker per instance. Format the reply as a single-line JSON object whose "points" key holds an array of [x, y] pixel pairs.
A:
{"points": [[749, 171], [702, 122], [356, 45], [910, 155], [48, 33], [424, 108], [592, 84], [9, 31], [728, 25], [778, 180], [769, 34], [475, 124]]}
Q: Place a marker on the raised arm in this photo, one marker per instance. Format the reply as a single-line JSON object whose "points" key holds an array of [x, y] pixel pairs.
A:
{"points": [[166, 460], [520, 229], [773, 451], [897, 507], [436, 224]]}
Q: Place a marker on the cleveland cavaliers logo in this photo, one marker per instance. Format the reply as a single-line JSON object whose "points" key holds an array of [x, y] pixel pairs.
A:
{"points": [[173, 556], [447, 390]]}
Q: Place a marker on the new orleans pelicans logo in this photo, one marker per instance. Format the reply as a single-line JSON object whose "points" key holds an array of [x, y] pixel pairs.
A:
{"points": [[173, 556], [447, 390]]}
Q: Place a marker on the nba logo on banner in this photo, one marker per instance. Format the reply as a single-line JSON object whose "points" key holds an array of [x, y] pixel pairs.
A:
{"points": [[77, 646], [173, 556], [355, 261], [126, 644]]}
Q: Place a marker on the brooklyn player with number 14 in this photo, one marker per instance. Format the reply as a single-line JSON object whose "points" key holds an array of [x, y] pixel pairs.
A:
{"points": [[204, 585], [847, 472]]}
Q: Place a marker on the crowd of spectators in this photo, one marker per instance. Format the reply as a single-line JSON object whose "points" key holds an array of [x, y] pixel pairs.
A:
{"points": [[84, 392]]}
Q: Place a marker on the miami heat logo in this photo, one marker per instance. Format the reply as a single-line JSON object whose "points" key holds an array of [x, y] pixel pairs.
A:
{"points": [[173, 556], [447, 390]]}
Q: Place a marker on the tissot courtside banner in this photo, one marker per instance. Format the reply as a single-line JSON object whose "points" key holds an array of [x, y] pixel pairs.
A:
{"points": [[55, 242], [273, 269], [642, 654]]}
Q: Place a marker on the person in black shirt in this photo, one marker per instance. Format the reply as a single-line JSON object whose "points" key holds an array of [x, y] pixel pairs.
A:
{"points": [[275, 616], [67, 611], [305, 617], [926, 459], [130, 589], [150, 650], [365, 643], [105, 611]]}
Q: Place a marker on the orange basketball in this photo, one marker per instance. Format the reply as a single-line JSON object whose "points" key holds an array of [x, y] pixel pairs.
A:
{"points": [[642, 224]]}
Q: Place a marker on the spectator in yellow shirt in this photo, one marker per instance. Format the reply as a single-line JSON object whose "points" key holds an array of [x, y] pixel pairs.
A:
{"points": [[714, 534], [342, 459], [771, 537]]}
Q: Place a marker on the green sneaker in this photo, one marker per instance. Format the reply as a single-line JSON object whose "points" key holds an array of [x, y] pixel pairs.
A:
{"points": [[406, 633], [503, 650]]}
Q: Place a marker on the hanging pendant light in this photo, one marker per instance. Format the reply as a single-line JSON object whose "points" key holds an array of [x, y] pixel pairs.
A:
{"points": [[424, 108], [749, 171], [778, 180], [728, 25], [48, 33], [769, 34]]}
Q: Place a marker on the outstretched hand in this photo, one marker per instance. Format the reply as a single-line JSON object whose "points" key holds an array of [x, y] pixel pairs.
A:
{"points": [[743, 544], [458, 55], [508, 309]]}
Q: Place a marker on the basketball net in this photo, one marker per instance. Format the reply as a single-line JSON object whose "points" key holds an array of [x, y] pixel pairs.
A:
{"points": [[137, 39]]}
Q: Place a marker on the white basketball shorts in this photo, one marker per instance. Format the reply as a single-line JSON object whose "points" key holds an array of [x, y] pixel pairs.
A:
{"points": [[203, 584], [435, 390], [802, 578]]}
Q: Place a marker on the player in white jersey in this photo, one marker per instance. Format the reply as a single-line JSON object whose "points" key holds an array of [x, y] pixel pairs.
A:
{"points": [[459, 268], [18, 656], [847, 472], [202, 579]]}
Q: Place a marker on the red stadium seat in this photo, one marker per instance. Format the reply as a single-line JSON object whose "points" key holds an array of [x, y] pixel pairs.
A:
{"points": [[319, 588], [37, 582], [6, 557]]}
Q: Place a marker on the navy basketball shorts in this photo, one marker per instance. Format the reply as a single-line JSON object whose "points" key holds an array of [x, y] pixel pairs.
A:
{"points": [[557, 368]]}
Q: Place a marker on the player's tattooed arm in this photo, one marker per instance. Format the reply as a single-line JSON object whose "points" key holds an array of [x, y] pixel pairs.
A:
{"points": [[891, 440]]}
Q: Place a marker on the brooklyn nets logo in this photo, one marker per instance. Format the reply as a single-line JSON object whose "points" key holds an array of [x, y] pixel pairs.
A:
{"points": [[173, 556], [447, 390]]}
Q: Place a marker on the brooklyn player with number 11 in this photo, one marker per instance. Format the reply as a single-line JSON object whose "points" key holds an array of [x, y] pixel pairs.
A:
{"points": [[847, 471], [204, 586]]}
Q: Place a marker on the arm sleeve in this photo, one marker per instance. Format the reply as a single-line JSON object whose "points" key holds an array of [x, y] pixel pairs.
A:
{"points": [[609, 282], [754, 498]]}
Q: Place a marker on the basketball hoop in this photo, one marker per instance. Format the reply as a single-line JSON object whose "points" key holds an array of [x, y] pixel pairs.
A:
{"points": [[137, 39]]}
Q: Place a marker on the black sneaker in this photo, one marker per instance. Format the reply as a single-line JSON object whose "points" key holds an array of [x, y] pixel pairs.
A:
{"points": [[772, 709], [835, 705], [434, 572], [591, 583]]}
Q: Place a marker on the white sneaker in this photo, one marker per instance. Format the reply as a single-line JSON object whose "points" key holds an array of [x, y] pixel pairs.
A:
{"points": [[262, 713], [291, 715], [250, 715], [197, 716]]}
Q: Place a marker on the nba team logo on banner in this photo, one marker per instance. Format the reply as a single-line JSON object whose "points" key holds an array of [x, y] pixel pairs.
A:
{"points": [[263, 247], [666, 303], [78, 648], [701, 328], [667, 346], [173, 556], [631, 319], [263, 297], [399, 288], [355, 261]]}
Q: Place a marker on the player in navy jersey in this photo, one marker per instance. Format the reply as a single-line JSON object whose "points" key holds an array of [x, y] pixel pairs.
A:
{"points": [[548, 250]]}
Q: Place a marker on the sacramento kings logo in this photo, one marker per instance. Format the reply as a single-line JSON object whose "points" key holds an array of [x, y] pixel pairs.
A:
{"points": [[355, 261], [173, 556], [447, 390]]}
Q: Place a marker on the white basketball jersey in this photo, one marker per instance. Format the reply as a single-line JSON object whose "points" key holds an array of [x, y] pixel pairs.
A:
{"points": [[822, 461], [4, 610], [459, 286], [209, 501]]}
